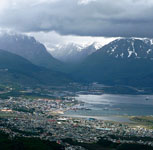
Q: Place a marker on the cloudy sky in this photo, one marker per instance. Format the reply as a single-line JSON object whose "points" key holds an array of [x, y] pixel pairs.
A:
{"points": [[54, 21]]}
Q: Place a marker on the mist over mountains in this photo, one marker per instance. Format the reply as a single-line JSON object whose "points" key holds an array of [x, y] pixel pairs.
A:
{"points": [[74, 53]]}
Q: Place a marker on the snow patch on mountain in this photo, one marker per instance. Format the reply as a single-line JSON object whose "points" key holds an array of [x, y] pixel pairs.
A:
{"points": [[148, 51]]}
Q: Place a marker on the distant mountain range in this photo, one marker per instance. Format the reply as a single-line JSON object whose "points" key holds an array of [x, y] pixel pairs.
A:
{"points": [[29, 48], [127, 61], [74, 53]]}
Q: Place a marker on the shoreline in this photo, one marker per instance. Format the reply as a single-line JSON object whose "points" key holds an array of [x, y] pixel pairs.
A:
{"points": [[121, 119]]}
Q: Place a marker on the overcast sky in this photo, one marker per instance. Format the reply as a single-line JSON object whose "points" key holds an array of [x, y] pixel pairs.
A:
{"points": [[78, 19]]}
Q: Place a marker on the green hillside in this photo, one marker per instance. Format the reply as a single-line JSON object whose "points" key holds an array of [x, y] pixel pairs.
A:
{"points": [[16, 69]]}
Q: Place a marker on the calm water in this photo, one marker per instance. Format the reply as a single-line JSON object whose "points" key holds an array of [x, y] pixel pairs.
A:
{"points": [[110, 107]]}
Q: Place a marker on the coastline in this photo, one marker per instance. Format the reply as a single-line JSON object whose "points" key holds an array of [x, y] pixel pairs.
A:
{"points": [[121, 119]]}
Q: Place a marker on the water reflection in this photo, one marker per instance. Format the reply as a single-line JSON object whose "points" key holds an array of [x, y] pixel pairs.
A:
{"points": [[114, 105]]}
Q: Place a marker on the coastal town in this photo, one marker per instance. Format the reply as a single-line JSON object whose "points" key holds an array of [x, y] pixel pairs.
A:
{"points": [[44, 118]]}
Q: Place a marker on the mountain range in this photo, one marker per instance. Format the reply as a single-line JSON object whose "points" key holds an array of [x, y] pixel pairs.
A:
{"points": [[125, 61]]}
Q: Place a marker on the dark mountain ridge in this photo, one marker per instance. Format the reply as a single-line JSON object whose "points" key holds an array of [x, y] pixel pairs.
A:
{"points": [[18, 70]]}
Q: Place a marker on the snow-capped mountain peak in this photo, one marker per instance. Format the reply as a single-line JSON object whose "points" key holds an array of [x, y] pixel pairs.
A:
{"points": [[73, 52], [130, 48]]}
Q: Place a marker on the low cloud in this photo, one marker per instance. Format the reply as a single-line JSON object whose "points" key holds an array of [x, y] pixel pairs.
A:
{"points": [[109, 18]]}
